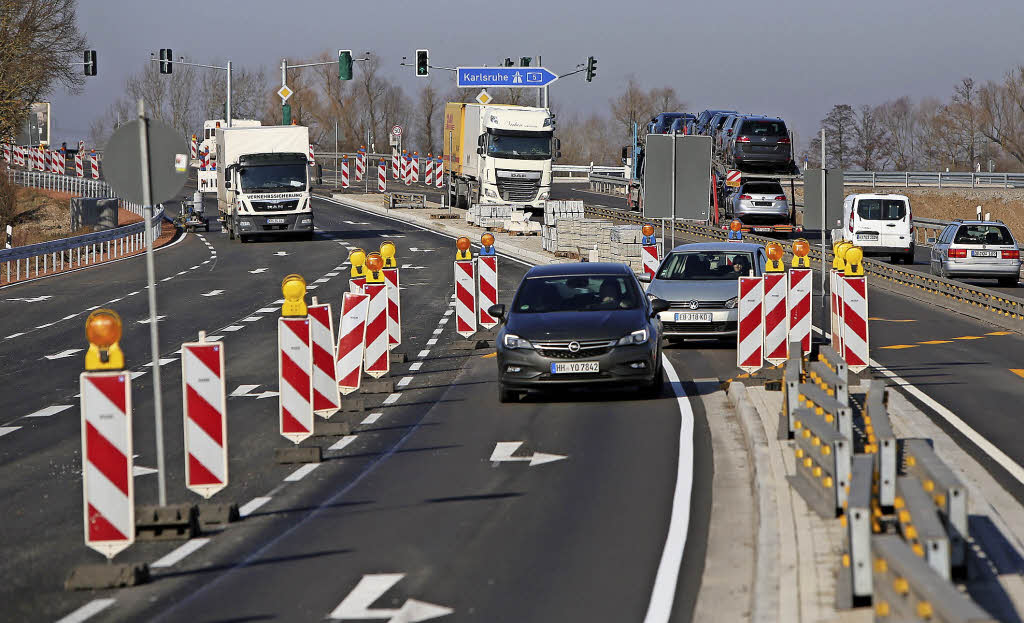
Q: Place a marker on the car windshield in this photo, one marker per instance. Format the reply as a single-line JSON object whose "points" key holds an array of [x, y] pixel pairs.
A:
{"points": [[763, 128], [536, 147], [983, 234], [882, 209], [273, 177], [705, 265], [538, 295], [763, 188]]}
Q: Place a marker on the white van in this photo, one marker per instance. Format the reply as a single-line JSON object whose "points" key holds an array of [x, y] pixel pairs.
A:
{"points": [[878, 224]]}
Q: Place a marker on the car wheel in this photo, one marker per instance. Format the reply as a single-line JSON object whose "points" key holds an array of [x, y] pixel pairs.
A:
{"points": [[243, 238], [505, 395], [1009, 282], [895, 259], [653, 389]]}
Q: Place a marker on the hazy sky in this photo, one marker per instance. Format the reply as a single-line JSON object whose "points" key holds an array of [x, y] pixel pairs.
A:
{"points": [[794, 58]]}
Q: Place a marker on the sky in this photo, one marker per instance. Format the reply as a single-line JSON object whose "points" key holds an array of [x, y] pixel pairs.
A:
{"points": [[793, 58]]}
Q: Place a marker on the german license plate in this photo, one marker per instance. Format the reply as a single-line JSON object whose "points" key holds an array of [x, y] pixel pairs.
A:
{"points": [[983, 253], [693, 317], [763, 204], [276, 221], [575, 367], [867, 236]]}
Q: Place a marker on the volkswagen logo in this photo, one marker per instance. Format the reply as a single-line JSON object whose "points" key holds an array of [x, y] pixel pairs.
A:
{"points": [[694, 304], [574, 347], [764, 138]]}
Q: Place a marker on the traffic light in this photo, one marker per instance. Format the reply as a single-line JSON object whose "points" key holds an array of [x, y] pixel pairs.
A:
{"points": [[90, 62], [286, 114], [591, 68], [165, 60], [508, 62], [422, 63], [524, 61], [344, 65]]}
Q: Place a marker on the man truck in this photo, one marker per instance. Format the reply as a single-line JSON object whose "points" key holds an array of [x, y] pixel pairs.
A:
{"points": [[207, 175], [263, 181], [498, 154]]}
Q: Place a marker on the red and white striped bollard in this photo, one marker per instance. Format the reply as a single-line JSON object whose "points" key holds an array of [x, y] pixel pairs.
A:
{"points": [[750, 325], [206, 424]]}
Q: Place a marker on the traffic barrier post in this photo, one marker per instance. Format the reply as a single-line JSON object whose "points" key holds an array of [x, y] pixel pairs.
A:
{"points": [[946, 492], [295, 363], [361, 163], [344, 172], [881, 442], [465, 289], [836, 294], [94, 164], [856, 561], [326, 398], [376, 360], [108, 490], [391, 279], [750, 333], [487, 281], [799, 296], [351, 338], [395, 165], [649, 254], [823, 458], [428, 172], [854, 319], [776, 326], [79, 165], [357, 274], [193, 147], [204, 401], [312, 158], [382, 176], [920, 526], [415, 173], [438, 177]]}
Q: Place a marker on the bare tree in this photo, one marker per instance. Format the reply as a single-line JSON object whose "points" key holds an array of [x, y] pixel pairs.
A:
{"points": [[900, 120], [840, 143], [430, 110], [869, 140], [149, 86], [964, 110], [38, 39], [180, 103], [664, 99], [631, 106], [1001, 113], [941, 141]]}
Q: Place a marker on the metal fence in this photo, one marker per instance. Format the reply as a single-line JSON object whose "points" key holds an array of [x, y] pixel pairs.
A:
{"points": [[560, 170], [75, 186], [937, 179]]}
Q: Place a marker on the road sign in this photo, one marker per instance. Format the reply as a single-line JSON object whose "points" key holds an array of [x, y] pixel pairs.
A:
{"points": [[733, 178], [122, 162], [484, 97], [396, 130], [284, 93], [509, 77]]}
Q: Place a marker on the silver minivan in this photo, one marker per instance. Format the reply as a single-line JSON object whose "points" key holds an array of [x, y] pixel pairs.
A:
{"points": [[978, 249], [880, 225]]}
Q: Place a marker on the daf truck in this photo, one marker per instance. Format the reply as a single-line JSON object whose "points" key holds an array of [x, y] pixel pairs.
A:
{"points": [[498, 154], [263, 181]]}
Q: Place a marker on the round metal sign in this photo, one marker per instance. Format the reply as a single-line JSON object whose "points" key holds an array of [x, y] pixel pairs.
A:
{"points": [[168, 162], [397, 130]]}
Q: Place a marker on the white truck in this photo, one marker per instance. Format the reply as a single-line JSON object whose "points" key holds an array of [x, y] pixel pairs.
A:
{"points": [[263, 181], [207, 176], [498, 154]]}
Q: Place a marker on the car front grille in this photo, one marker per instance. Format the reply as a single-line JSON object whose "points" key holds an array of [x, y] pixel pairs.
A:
{"points": [[517, 190], [698, 327], [561, 350], [685, 305]]}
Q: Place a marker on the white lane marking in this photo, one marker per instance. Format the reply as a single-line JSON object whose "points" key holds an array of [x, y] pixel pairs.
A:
{"points": [[405, 381], [179, 554], [281, 253], [391, 399], [432, 341], [163, 362], [341, 443], [167, 278], [137, 291], [313, 287], [332, 274], [416, 366], [137, 374], [139, 470], [266, 310], [70, 316], [7, 429], [214, 338], [370, 419], [250, 507], [243, 390], [182, 272], [64, 353], [322, 280], [665, 581], [43, 326], [212, 293], [423, 353], [232, 328], [88, 611], [208, 261], [301, 473], [444, 320], [48, 411], [194, 267], [146, 320], [257, 271], [34, 299], [449, 312], [251, 319], [438, 331], [13, 335]]}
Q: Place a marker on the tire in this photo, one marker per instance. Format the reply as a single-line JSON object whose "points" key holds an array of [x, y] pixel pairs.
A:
{"points": [[908, 258], [653, 389], [1009, 282], [895, 259], [231, 231], [207, 226], [505, 395], [243, 238]]}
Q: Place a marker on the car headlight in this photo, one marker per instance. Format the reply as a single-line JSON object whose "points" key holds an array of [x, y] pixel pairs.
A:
{"points": [[636, 337], [544, 195], [490, 193], [514, 341], [651, 297], [732, 303]]}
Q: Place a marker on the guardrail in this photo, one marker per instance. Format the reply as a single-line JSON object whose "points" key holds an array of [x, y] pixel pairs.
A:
{"points": [[77, 251], [938, 179], [75, 186], [569, 169]]}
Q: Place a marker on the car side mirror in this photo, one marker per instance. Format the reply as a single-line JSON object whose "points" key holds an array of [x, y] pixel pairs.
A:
{"points": [[227, 182], [644, 277], [658, 306], [480, 150], [931, 241], [497, 311]]}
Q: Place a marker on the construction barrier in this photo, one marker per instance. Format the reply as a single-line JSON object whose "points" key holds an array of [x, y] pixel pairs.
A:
{"points": [[438, 177], [396, 165], [376, 360], [7, 153], [206, 421], [414, 174], [750, 325], [79, 165], [776, 328], [193, 147], [94, 164], [326, 399], [465, 289], [344, 172], [351, 337], [295, 378], [360, 164], [855, 322], [487, 281], [382, 176], [312, 159], [946, 493], [881, 443], [799, 301], [428, 173], [823, 459], [391, 279], [19, 156]]}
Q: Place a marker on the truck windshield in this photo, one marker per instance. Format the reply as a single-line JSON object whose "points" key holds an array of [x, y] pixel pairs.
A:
{"points": [[535, 147], [273, 177]]}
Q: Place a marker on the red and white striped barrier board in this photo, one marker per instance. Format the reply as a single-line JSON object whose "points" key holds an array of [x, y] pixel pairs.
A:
{"points": [[344, 172], [206, 417], [326, 400], [855, 323], [382, 176], [415, 175], [428, 173], [776, 327], [55, 162], [836, 298], [356, 285], [312, 159], [391, 280], [42, 159], [351, 338], [7, 153], [487, 288], [295, 378], [79, 165], [19, 156], [733, 178], [36, 161], [649, 255], [407, 173], [396, 165], [108, 490], [193, 147], [376, 359], [465, 298], [799, 301], [360, 166], [438, 177], [94, 164], [750, 336]]}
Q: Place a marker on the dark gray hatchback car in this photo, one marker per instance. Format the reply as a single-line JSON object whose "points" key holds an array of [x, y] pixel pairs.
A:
{"points": [[578, 324]]}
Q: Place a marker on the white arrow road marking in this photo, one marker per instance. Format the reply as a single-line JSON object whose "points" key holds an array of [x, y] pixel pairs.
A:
{"points": [[266, 395], [504, 450], [138, 470], [257, 271], [370, 588], [416, 250], [146, 321], [243, 390], [212, 293], [8, 429], [34, 299], [281, 253], [48, 411], [64, 353], [351, 223], [411, 267]]}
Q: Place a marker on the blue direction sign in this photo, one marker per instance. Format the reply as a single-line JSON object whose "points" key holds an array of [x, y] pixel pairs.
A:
{"points": [[509, 77]]}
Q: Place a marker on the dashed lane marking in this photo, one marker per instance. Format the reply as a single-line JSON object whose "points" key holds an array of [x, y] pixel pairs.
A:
{"points": [[341, 443], [490, 355], [233, 328], [404, 381], [392, 399], [423, 354], [88, 611], [7, 429], [1000, 333], [250, 507], [891, 319], [416, 366], [179, 554], [1018, 371], [438, 331], [937, 342], [431, 341], [48, 411], [370, 419], [970, 337], [899, 346], [301, 473]]}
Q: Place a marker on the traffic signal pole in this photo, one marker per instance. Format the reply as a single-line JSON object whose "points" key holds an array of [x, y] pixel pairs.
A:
{"points": [[286, 112], [227, 68]]}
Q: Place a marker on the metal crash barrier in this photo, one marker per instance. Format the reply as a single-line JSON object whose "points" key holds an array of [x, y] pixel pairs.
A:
{"points": [[407, 200], [822, 463]]}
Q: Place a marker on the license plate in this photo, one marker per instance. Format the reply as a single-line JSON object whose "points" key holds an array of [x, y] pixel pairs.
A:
{"points": [[575, 367], [984, 253], [867, 236], [276, 221], [763, 204], [693, 317]]}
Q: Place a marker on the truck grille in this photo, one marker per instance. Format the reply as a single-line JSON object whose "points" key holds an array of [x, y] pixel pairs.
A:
{"points": [[517, 190], [275, 206]]}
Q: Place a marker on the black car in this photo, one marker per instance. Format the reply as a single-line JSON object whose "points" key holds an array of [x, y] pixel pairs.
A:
{"points": [[579, 324], [702, 124], [662, 124], [760, 143]]}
